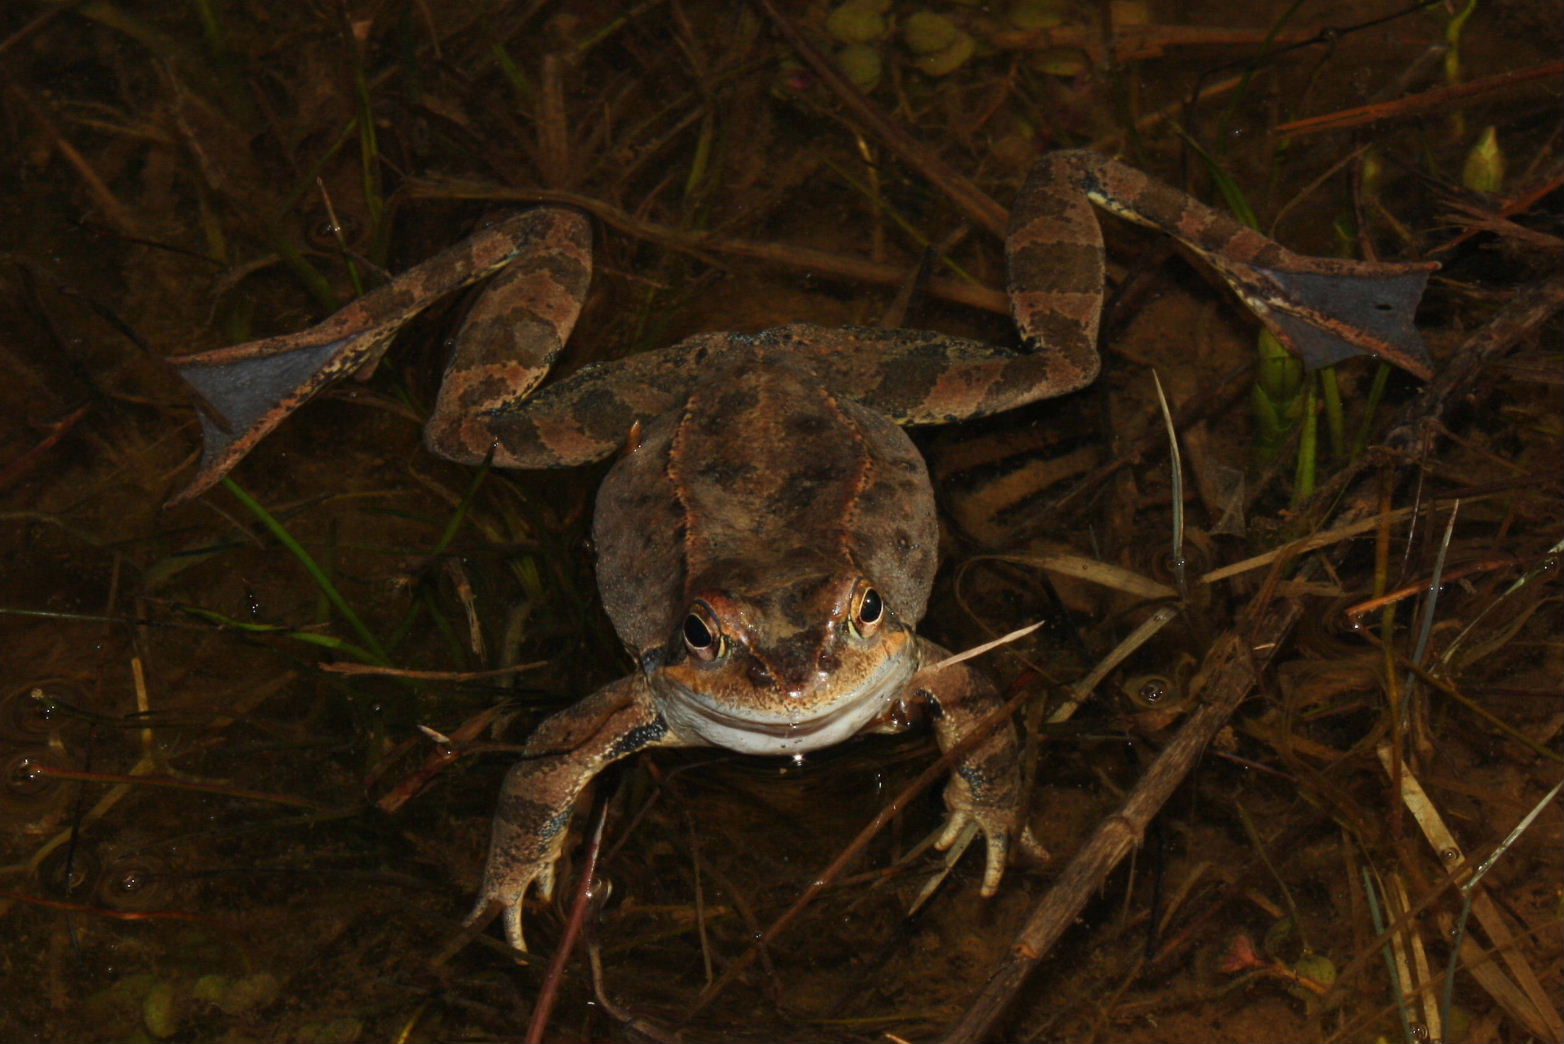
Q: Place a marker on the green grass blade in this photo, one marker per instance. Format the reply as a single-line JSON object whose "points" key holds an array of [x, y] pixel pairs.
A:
{"points": [[376, 653]]}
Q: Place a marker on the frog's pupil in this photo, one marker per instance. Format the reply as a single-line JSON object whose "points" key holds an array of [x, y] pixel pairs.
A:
{"points": [[696, 633], [869, 611]]}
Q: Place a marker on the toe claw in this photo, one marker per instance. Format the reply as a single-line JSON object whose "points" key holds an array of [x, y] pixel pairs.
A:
{"points": [[994, 868]]}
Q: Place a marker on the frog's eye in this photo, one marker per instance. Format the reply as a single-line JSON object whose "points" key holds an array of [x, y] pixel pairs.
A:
{"points": [[702, 635], [331, 231], [1148, 690], [868, 609]]}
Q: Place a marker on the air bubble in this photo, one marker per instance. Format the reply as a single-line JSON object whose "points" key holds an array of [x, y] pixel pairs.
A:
{"points": [[24, 775]]}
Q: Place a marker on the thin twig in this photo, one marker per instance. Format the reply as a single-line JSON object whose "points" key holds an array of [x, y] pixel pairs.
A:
{"points": [[549, 993], [1416, 104]]}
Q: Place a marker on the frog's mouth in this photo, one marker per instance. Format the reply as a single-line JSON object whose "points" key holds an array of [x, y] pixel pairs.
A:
{"points": [[777, 724]]}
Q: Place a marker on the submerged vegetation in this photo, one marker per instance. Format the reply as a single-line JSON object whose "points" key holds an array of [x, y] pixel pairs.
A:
{"points": [[1294, 719]]}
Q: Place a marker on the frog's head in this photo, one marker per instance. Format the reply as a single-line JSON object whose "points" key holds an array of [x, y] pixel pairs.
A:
{"points": [[792, 661]]}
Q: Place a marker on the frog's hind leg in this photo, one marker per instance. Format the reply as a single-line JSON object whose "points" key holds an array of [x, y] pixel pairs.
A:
{"points": [[248, 389], [919, 377], [586, 416], [1323, 309], [511, 336], [1054, 258]]}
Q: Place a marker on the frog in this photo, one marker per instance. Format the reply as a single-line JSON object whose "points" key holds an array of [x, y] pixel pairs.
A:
{"points": [[767, 536]]}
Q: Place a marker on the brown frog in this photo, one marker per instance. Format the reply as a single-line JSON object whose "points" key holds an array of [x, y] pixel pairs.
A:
{"points": [[767, 542]]}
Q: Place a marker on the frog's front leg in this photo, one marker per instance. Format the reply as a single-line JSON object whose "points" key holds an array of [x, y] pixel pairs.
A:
{"points": [[532, 818], [985, 786]]}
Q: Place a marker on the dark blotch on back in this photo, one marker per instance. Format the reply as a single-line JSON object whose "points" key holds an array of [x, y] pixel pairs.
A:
{"points": [[806, 425], [725, 472], [733, 402]]}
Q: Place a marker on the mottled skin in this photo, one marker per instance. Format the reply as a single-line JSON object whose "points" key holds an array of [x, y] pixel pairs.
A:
{"points": [[766, 542], [798, 528]]}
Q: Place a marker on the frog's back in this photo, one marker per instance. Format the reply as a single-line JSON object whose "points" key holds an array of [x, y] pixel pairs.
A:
{"points": [[761, 471]]}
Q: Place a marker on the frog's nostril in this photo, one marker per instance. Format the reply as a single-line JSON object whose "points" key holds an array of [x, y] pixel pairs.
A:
{"points": [[759, 676], [828, 662]]}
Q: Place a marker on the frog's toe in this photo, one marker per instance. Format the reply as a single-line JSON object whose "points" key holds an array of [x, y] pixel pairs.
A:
{"points": [[1000, 839], [957, 821], [488, 905], [1002, 844], [961, 824], [508, 894], [544, 879], [513, 927], [996, 841]]}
